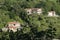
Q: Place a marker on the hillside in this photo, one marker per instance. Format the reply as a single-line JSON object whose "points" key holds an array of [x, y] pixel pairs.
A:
{"points": [[13, 10]]}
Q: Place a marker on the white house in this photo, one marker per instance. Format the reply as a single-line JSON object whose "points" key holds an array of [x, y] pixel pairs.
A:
{"points": [[12, 26], [52, 13], [34, 10]]}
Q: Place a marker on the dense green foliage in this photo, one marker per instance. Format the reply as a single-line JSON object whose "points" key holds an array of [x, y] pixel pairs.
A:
{"points": [[35, 27], [32, 35]]}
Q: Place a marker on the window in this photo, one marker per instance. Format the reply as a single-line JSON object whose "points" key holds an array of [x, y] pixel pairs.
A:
{"points": [[14, 24]]}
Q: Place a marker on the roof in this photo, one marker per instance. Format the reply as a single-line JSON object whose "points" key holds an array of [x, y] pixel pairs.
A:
{"points": [[13, 22]]}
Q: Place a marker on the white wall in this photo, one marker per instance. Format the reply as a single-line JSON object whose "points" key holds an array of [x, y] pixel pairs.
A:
{"points": [[39, 11]]}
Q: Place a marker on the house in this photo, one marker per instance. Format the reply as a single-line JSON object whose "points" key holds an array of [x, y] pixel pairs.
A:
{"points": [[33, 10], [52, 13], [12, 26]]}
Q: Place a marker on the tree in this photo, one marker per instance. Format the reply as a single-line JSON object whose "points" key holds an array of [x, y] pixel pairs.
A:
{"points": [[50, 33]]}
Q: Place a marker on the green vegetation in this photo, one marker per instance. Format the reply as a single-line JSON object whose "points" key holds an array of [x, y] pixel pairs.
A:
{"points": [[35, 27]]}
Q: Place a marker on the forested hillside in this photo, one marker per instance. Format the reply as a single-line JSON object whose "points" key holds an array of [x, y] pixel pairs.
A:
{"points": [[35, 27]]}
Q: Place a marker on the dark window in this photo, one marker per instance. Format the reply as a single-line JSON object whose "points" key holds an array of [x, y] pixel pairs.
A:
{"points": [[14, 24], [28, 12]]}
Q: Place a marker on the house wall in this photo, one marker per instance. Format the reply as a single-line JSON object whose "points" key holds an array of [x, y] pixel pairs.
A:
{"points": [[39, 11], [34, 10], [51, 13]]}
